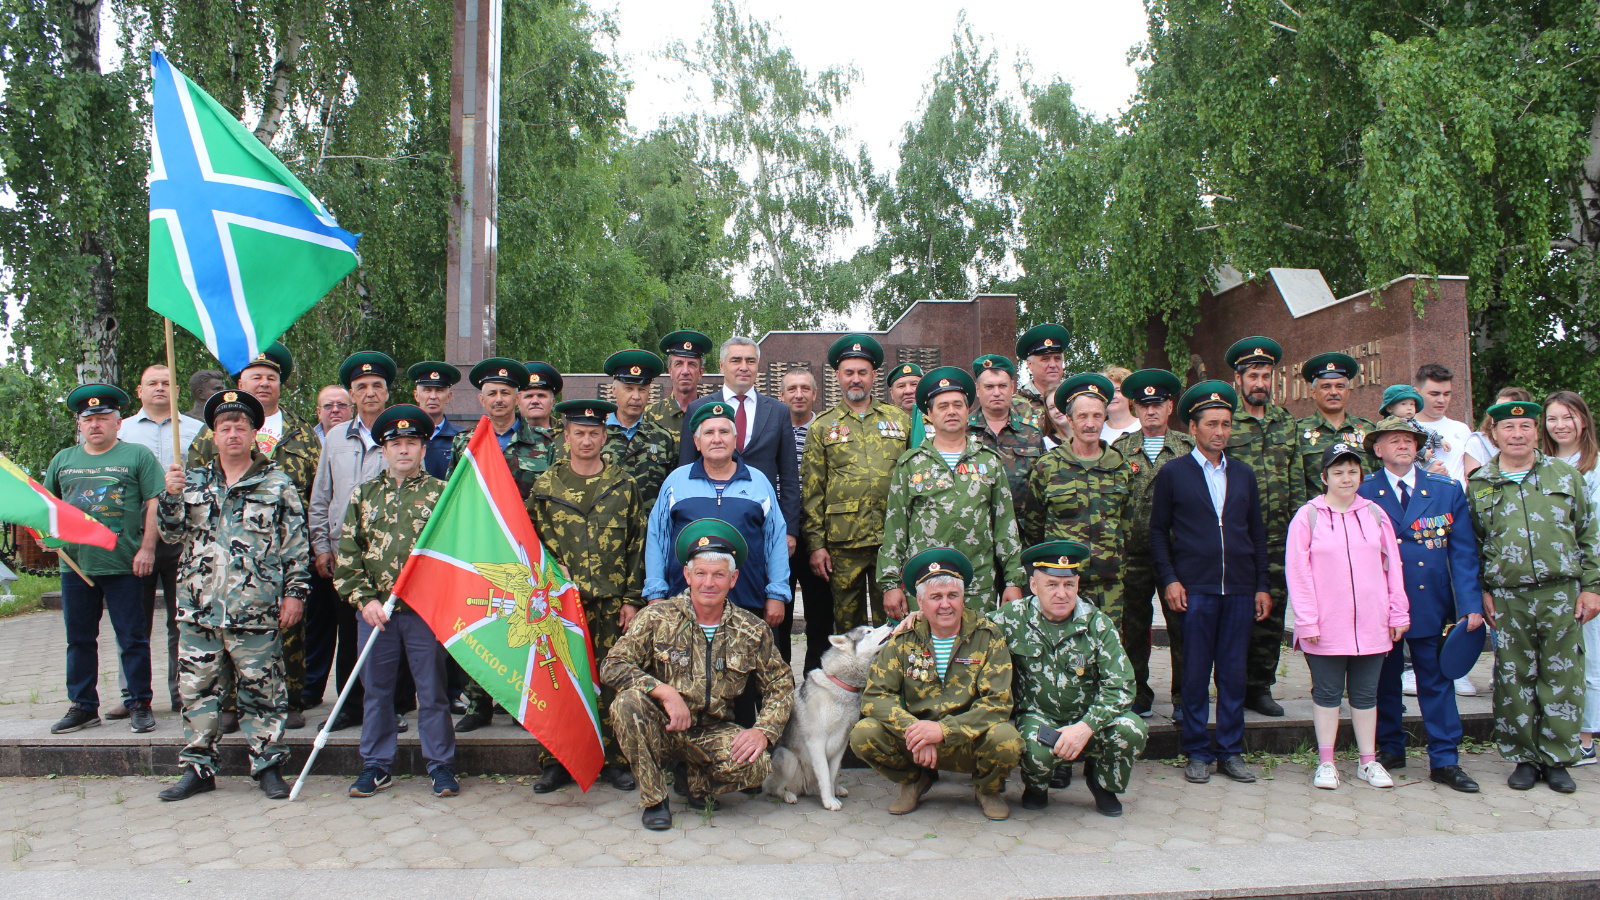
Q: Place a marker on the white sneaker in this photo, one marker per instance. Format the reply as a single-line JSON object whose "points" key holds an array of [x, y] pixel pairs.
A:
{"points": [[1327, 776], [1465, 688], [1375, 774], [1408, 683]]}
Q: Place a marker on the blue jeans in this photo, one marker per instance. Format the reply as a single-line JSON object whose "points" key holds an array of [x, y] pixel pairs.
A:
{"points": [[122, 596], [1216, 644]]}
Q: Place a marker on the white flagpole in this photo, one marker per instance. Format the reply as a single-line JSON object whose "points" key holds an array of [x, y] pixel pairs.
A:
{"points": [[322, 736]]}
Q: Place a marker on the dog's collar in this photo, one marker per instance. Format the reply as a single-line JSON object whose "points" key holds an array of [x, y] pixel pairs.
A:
{"points": [[853, 690]]}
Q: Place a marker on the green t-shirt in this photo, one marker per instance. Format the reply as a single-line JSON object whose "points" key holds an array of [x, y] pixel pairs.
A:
{"points": [[113, 488]]}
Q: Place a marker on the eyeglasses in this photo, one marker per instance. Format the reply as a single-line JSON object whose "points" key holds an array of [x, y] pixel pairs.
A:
{"points": [[331, 407]]}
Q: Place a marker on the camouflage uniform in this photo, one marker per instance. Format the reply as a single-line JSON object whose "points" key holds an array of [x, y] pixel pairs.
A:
{"points": [[1019, 444], [244, 550], [971, 703], [669, 415], [968, 507], [1139, 570], [1540, 546], [844, 487], [297, 452], [1088, 502], [1314, 436], [1028, 406], [1270, 447], [530, 452], [602, 546], [1066, 673], [648, 458], [664, 643]]}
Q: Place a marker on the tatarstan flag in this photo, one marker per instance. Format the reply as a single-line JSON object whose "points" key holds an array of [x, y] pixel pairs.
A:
{"points": [[480, 577], [26, 502]]}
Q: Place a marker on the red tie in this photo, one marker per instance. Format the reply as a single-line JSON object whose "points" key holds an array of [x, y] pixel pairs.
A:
{"points": [[738, 423]]}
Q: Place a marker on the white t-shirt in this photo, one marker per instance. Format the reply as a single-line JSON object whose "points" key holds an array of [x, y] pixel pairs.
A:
{"points": [[1110, 433], [270, 434], [1479, 448], [1452, 437]]}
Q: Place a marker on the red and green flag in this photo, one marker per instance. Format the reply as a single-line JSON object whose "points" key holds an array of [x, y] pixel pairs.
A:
{"points": [[26, 502], [480, 577]]}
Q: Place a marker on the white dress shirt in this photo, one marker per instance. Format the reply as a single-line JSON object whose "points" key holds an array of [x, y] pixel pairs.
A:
{"points": [[140, 428], [1216, 479], [749, 397], [1409, 479]]}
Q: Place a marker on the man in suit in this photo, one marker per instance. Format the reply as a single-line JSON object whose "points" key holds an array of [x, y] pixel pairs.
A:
{"points": [[1441, 564]]}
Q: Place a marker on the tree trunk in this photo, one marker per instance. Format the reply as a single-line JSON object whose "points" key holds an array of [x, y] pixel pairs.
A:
{"points": [[278, 97], [97, 330]]}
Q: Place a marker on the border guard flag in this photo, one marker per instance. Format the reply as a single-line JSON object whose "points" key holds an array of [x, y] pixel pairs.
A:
{"points": [[481, 579], [26, 502], [239, 249]]}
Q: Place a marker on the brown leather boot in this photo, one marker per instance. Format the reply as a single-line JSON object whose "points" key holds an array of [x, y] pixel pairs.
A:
{"points": [[994, 806], [910, 795]]}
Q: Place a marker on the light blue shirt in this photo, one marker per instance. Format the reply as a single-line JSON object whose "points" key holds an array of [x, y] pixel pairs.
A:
{"points": [[611, 419], [1216, 479]]}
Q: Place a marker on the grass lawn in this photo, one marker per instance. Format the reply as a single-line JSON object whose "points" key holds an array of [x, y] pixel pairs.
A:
{"points": [[25, 595]]}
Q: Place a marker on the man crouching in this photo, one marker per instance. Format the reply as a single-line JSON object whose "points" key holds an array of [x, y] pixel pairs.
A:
{"points": [[939, 693], [678, 670], [1074, 683]]}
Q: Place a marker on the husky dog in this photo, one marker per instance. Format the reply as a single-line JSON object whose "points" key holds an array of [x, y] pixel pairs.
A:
{"points": [[828, 704]]}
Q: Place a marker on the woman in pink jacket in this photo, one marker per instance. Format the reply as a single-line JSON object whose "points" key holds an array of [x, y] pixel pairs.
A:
{"points": [[1349, 608]]}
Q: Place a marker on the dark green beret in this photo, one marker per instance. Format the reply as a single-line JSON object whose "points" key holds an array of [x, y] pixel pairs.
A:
{"points": [[934, 563], [1088, 383], [586, 412], [543, 375], [433, 374], [1394, 393], [904, 370], [95, 398], [1151, 386], [1059, 558], [275, 356], [992, 361], [1515, 409], [1253, 351], [1050, 338], [1330, 365], [1207, 395], [499, 370], [634, 366], [686, 343], [944, 378], [711, 409], [234, 401], [402, 420], [364, 363], [1395, 423], [710, 536], [855, 346]]}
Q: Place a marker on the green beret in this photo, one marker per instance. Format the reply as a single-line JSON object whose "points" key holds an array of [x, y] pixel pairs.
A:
{"points": [[1394, 393], [1330, 365], [586, 412], [633, 366], [1087, 383], [1059, 558], [711, 409], [234, 401], [1253, 351], [686, 343], [710, 536], [1151, 386], [990, 361], [95, 398], [364, 363], [499, 370], [904, 370], [855, 346], [275, 356], [1515, 409], [1395, 423], [433, 374], [402, 420], [543, 375], [935, 563], [1207, 395], [1049, 338], [944, 378]]}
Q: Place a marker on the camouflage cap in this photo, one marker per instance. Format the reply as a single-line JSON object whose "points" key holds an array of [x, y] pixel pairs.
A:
{"points": [[1394, 424]]}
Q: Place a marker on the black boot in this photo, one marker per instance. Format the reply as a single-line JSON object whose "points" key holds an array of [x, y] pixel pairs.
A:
{"points": [[1035, 798], [1559, 779], [190, 784], [1061, 778], [1105, 801], [1264, 704], [1524, 778], [272, 785], [619, 778], [472, 722], [658, 817], [553, 777]]}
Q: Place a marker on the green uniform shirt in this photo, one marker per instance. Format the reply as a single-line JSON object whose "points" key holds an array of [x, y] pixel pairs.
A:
{"points": [[594, 526], [1270, 446], [1316, 435], [844, 475], [112, 487], [1070, 671], [1019, 444], [1142, 481], [669, 415], [297, 453], [1542, 531], [974, 695], [528, 454], [381, 526], [1089, 501], [648, 458], [1028, 406]]}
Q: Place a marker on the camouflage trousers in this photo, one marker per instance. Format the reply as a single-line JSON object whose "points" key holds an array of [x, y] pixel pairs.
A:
{"points": [[1266, 636], [705, 750], [294, 668], [604, 631], [1139, 580], [1105, 594], [855, 584], [1538, 674], [214, 662], [1113, 749], [988, 759]]}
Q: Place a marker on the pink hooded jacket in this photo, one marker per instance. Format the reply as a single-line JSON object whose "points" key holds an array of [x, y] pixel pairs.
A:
{"points": [[1345, 580]]}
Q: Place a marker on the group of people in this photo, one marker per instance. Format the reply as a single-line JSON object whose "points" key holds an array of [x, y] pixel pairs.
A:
{"points": [[1020, 537]]}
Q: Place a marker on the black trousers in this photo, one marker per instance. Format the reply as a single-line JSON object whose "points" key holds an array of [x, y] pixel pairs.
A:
{"points": [[819, 606]]}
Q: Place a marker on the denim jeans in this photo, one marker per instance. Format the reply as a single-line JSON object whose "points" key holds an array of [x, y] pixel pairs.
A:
{"points": [[122, 596]]}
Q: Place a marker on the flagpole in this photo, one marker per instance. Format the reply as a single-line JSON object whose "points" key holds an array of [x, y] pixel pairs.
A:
{"points": [[61, 552], [349, 684], [172, 396]]}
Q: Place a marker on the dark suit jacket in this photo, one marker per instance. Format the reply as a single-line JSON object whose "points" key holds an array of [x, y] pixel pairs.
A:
{"points": [[770, 450], [1187, 542], [1444, 588]]}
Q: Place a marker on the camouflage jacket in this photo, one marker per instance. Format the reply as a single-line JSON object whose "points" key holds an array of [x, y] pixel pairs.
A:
{"points": [[1270, 446], [968, 508], [1316, 435], [296, 453], [601, 545], [244, 545], [648, 458], [664, 643], [1541, 531], [669, 415], [1141, 484], [381, 525], [528, 454], [1074, 673], [1019, 444], [1089, 502], [844, 475], [904, 686], [1028, 406]]}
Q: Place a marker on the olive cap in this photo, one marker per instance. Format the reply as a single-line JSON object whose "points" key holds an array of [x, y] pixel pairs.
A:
{"points": [[1151, 386], [1252, 351], [710, 536], [1207, 395], [855, 346], [430, 373], [401, 420], [95, 398], [367, 362]]}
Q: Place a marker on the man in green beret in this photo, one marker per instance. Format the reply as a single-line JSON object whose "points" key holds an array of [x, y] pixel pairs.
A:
{"points": [[1080, 491], [1539, 540], [1071, 680], [586, 511], [1041, 349], [1153, 393], [685, 352], [951, 492], [938, 695], [999, 425], [435, 384], [1267, 439], [678, 671], [845, 467], [900, 386]]}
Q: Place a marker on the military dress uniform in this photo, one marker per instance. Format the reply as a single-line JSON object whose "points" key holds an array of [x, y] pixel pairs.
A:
{"points": [[1139, 569], [1088, 501]]}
